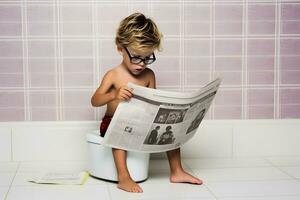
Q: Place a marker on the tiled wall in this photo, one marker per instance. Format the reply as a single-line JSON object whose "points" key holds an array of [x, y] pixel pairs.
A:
{"points": [[53, 54]]}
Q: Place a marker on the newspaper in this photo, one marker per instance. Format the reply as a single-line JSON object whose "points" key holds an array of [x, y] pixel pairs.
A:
{"points": [[155, 121]]}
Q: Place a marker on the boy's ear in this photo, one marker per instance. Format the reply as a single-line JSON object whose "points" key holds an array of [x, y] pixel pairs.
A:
{"points": [[120, 50]]}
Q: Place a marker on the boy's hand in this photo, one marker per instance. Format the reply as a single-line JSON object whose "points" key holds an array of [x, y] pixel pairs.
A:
{"points": [[124, 93]]}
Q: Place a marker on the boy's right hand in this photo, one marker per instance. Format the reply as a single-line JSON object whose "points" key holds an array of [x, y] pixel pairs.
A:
{"points": [[124, 93]]}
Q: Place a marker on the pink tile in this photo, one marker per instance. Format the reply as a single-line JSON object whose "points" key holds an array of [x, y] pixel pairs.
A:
{"points": [[77, 29], [290, 46], [229, 28], [261, 12], [197, 64], [43, 114], [290, 11], [197, 28], [42, 65], [41, 29], [261, 77], [228, 63], [75, 98], [166, 79], [289, 62], [8, 65], [41, 48], [261, 112], [77, 48], [261, 47], [227, 112], [289, 111], [169, 28], [289, 96], [290, 77], [12, 114], [112, 12], [10, 29], [260, 97], [107, 63], [196, 78], [229, 78], [10, 13], [83, 12], [228, 12], [290, 27], [228, 47], [79, 113], [78, 65], [12, 80], [261, 27], [197, 47], [260, 63], [78, 79], [166, 64], [40, 13], [229, 97], [11, 48], [43, 99], [43, 80], [11, 99], [194, 12]]}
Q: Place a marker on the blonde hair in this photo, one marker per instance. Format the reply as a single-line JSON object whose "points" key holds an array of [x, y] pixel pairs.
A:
{"points": [[138, 32]]}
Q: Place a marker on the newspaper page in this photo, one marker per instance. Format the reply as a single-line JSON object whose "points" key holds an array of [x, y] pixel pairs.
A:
{"points": [[155, 120]]}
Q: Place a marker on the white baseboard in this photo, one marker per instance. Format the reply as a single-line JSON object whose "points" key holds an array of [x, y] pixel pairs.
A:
{"points": [[34, 141]]}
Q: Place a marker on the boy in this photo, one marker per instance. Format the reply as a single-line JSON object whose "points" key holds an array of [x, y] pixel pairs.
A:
{"points": [[137, 38]]}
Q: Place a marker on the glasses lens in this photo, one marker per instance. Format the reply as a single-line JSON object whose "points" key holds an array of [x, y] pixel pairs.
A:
{"points": [[136, 60], [149, 61]]}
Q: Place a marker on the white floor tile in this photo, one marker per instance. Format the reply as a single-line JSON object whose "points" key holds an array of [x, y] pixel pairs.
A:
{"points": [[240, 174], [255, 188], [55, 192], [284, 161], [159, 165], [6, 178], [3, 192], [21, 179], [163, 191], [226, 163], [292, 171], [52, 166], [263, 198], [8, 166]]}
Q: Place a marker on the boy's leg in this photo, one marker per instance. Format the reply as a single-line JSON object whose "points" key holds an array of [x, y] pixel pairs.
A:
{"points": [[178, 174], [125, 181]]}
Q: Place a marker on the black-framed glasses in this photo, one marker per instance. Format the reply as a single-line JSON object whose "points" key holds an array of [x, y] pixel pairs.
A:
{"points": [[137, 59]]}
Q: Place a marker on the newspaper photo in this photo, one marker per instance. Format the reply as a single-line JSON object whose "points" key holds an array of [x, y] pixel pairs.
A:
{"points": [[155, 120]]}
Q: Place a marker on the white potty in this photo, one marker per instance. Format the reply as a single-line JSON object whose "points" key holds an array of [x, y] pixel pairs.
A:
{"points": [[101, 162]]}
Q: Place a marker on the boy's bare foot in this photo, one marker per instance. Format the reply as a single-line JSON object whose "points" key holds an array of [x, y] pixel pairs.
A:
{"points": [[182, 176], [127, 184]]}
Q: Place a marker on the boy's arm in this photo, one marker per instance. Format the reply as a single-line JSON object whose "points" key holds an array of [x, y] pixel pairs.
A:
{"points": [[101, 95]]}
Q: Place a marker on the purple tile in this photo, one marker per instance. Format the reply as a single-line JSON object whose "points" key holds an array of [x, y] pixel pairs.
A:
{"points": [[227, 47], [78, 79], [260, 97], [228, 28], [290, 46], [10, 13], [197, 64], [166, 79], [290, 77], [78, 65], [79, 113], [43, 114], [197, 28], [194, 12], [261, 78], [290, 11], [11, 48], [12, 114], [42, 65], [75, 98], [229, 97], [196, 78], [165, 64], [261, 27], [43, 99], [14, 65], [261, 12], [83, 12], [77, 48], [228, 12], [41, 48], [197, 47], [10, 29], [289, 62], [290, 27], [260, 63], [261, 47], [227, 112], [11, 99], [289, 111], [228, 63], [40, 13], [43, 80], [230, 77], [12, 80], [289, 96], [261, 112], [41, 29]]}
